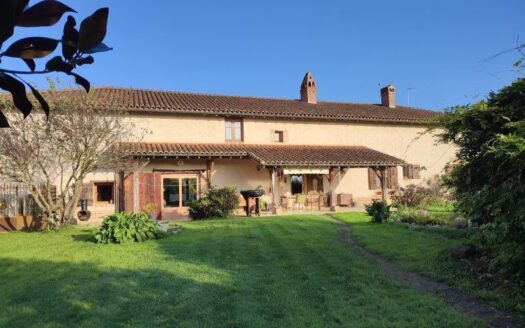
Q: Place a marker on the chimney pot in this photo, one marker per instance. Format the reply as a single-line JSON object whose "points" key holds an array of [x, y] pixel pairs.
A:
{"points": [[309, 89], [388, 96]]}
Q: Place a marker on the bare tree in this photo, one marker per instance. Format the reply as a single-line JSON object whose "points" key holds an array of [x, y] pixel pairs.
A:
{"points": [[62, 149]]}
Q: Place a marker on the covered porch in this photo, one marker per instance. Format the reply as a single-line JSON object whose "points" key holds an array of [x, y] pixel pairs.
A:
{"points": [[313, 175], [296, 178]]}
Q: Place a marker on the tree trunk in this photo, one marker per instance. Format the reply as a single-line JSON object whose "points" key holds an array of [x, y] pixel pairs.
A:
{"points": [[69, 211]]}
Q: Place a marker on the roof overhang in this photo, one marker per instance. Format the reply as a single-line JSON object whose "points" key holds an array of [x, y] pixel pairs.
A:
{"points": [[295, 157]]}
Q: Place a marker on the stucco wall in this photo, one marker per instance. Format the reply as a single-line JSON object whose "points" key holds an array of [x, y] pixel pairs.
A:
{"points": [[406, 142], [403, 141], [242, 174], [170, 128]]}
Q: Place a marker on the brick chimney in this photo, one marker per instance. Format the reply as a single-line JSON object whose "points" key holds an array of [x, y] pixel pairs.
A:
{"points": [[388, 96], [308, 89]]}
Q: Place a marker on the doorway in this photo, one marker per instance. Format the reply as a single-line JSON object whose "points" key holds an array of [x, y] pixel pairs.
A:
{"points": [[178, 191], [297, 184], [314, 183]]}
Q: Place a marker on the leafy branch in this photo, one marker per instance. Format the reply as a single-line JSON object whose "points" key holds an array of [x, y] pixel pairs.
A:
{"points": [[78, 46]]}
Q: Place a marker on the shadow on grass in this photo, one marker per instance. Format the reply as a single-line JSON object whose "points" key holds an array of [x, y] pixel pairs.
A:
{"points": [[47, 293], [84, 236]]}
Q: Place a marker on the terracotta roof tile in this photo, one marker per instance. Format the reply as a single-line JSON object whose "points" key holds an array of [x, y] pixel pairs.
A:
{"points": [[272, 155], [138, 100]]}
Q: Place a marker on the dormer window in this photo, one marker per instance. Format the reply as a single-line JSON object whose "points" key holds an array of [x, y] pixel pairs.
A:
{"points": [[234, 131]]}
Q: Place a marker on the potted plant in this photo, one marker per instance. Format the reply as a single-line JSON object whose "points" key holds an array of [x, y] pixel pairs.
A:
{"points": [[164, 226], [151, 210], [265, 206]]}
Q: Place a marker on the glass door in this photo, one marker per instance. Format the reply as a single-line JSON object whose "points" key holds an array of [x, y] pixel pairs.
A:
{"points": [[171, 192], [188, 191], [177, 193]]}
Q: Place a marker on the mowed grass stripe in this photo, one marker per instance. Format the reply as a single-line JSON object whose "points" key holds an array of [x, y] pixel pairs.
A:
{"points": [[282, 271]]}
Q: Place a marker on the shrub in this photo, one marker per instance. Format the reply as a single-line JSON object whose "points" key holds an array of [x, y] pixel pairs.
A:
{"points": [[435, 186], [216, 203], [419, 217], [506, 257], [379, 211], [438, 204], [488, 176], [150, 209], [410, 196], [125, 227]]}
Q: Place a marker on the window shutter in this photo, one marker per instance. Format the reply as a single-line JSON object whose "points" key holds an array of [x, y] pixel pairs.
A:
{"points": [[372, 180], [416, 172], [412, 171], [392, 178], [87, 193]]}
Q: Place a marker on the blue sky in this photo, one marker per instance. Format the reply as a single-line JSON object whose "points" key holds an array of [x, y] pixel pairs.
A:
{"points": [[263, 48]]}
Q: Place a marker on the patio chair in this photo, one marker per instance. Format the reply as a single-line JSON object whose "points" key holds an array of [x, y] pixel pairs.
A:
{"points": [[312, 200], [285, 203], [300, 201]]}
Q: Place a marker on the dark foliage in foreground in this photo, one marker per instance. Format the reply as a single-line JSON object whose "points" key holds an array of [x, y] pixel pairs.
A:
{"points": [[78, 45], [489, 177]]}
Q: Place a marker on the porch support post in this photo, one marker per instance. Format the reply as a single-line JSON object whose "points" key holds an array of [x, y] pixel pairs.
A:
{"points": [[276, 203], [209, 172], [332, 180], [383, 183], [136, 187], [120, 191]]}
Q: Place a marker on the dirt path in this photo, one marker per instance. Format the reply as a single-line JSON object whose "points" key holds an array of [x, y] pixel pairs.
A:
{"points": [[449, 295]]}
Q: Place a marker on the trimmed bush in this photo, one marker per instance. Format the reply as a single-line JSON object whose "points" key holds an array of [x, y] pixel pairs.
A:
{"points": [[126, 227], [216, 203], [379, 211]]}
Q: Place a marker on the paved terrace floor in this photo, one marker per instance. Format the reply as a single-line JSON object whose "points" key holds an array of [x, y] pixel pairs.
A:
{"points": [[307, 210]]}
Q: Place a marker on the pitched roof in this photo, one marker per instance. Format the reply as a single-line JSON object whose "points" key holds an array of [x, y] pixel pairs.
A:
{"points": [[139, 100], [272, 155]]}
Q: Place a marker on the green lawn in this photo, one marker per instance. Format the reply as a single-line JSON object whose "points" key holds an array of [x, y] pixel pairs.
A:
{"points": [[282, 271], [428, 250]]}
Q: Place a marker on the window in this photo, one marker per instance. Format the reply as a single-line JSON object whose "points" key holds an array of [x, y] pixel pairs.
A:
{"points": [[412, 171], [374, 180], [233, 130], [278, 136], [104, 192]]}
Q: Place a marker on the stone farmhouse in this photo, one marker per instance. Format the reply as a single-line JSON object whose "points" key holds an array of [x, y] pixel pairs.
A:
{"points": [[345, 153]]}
